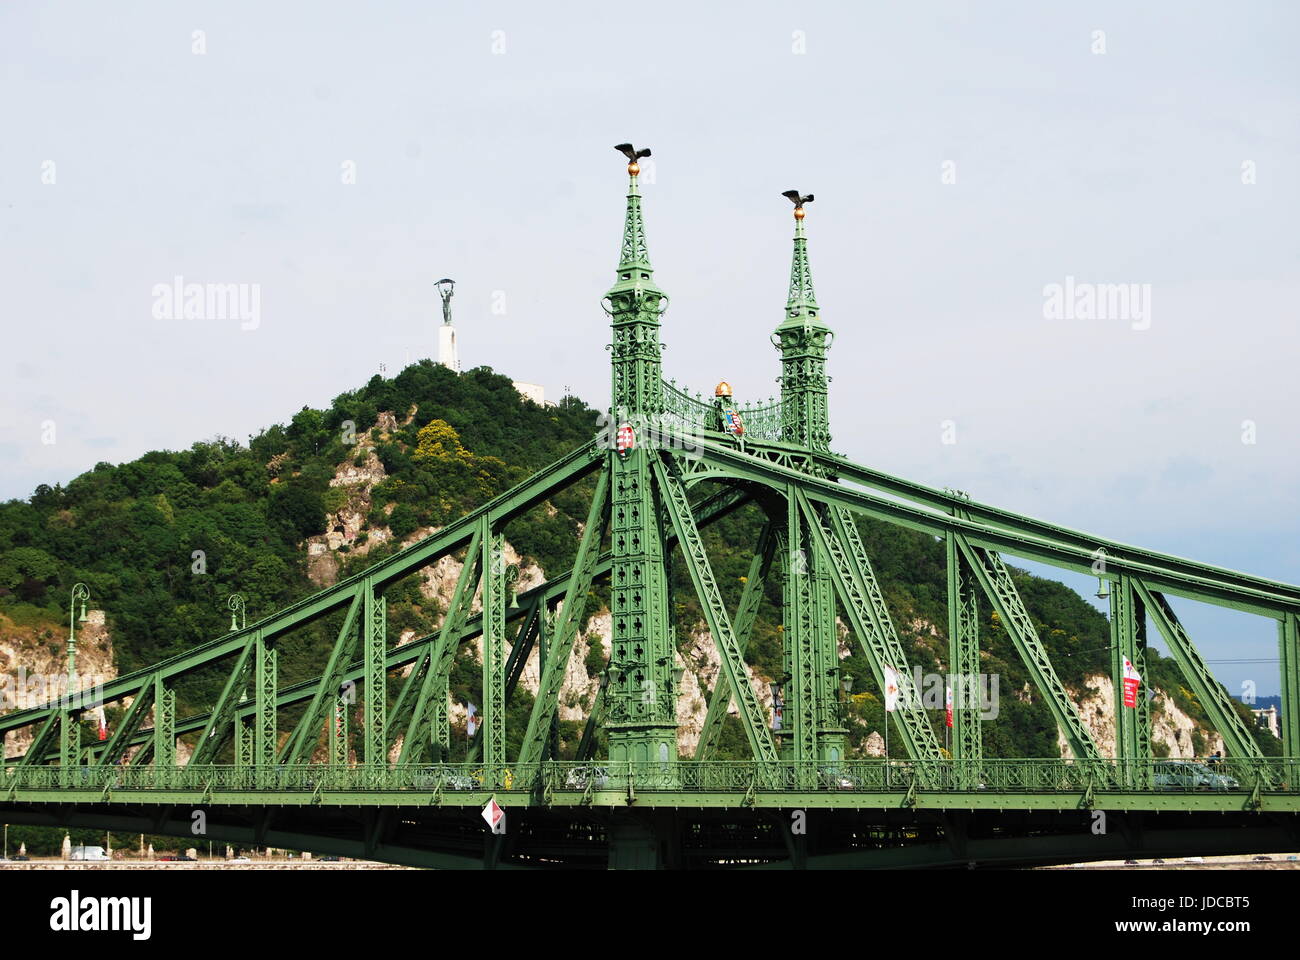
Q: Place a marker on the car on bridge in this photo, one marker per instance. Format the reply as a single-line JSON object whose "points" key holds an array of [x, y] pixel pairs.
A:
{"points": [[1190, 775], [579, 778], [834, 778], [448, 778]]}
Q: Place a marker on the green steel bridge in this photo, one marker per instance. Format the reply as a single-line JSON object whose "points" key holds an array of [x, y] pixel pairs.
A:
{"points": [[275, 763]]}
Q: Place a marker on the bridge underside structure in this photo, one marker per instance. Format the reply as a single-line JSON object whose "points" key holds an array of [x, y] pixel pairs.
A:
{"points": [[355, 761]]}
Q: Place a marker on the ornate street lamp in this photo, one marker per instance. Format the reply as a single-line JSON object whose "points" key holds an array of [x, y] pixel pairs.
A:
{"points": [[79, 592], [238, 615]]}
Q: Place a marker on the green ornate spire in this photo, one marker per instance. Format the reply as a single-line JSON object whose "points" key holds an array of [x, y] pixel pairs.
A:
{"points": [[635, 255], [641, 710], [803, 339], [801, 306], [634, 304]]}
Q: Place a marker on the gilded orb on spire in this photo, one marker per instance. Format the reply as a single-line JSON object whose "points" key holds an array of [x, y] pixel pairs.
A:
{"points": [[633, 155], [794, 197], [723, 389]]}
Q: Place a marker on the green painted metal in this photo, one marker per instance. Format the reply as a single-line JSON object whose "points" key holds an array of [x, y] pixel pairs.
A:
{"points": [[799, 655], [121, 738], [219, 727], [813, 499], [995, 579], [864, 604], [494, 638], [1128, 641], [546, 703], [642, 717], [803, 340], [244, 744], [1288, 631], [374, 614], [1176, 575], [670, 486], [430, 711], [164, 734], [338, 738], [266, 741], [751, 597], [875, 783], [1236, 738], [305, 735], [964, 657]]}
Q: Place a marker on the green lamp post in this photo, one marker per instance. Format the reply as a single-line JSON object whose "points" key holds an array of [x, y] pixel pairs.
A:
{"points": [[79, 592]]}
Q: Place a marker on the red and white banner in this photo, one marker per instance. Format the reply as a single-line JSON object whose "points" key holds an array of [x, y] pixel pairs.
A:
{"points": [[103, 722], [1132, 680], [947, 704]]}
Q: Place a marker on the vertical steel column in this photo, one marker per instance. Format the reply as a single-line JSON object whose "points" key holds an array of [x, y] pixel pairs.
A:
{"points": [[375, 642], [243, 742], [1128, 640], [964, 663], [65, 746], [1288, 634], [266, 739], [799, 653], [494, 656], [164, 733], [832, 732], [642, 711], [339, 733]]}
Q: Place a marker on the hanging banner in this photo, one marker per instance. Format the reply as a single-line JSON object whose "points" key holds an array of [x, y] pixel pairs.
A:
{"points": [[891, 689], [1132, 680]]}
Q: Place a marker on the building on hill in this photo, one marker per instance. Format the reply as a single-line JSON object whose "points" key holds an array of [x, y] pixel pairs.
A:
{"points": [[1267, 719]]}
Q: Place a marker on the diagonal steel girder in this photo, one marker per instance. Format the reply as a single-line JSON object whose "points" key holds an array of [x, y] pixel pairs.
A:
{"points": [[1181, 578], [1209, 692], [864, 604], [710, 509], [519, 499], [673, 493], [430, 709], [751, 597], [575, 602], [995, 579], [1258, 594]]}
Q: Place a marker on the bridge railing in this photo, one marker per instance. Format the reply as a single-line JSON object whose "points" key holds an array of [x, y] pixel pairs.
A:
{"points": [[1020, 776]]}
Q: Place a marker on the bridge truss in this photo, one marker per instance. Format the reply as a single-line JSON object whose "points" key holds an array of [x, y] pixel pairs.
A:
{"points": [[279, 763]]}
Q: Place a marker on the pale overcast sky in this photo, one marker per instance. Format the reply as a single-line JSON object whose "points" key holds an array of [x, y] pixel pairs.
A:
{"points": [[480, 137]]}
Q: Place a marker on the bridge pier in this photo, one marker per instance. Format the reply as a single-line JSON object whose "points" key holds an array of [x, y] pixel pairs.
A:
{"points": [[640, 842]]}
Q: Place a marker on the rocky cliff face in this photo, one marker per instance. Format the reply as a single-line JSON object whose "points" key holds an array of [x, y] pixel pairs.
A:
{"points": [[34, 665], [1170, 726]]}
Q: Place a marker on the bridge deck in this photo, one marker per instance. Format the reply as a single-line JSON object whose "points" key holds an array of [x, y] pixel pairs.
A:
{"points": [[1267, 785]]}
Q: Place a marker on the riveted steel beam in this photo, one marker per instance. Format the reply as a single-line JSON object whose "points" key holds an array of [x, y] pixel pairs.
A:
{"points": [[553, 669], [751, 598], [715, 612], [1236, 738], [995, 579]]}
